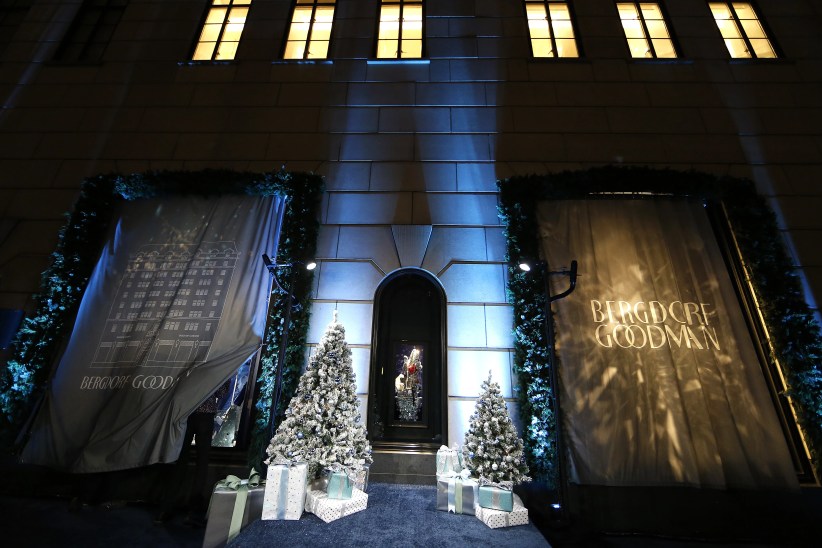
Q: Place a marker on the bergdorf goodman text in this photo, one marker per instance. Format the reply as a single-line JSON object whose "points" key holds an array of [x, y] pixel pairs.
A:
{"points": [[116, 382], [653, 324]]}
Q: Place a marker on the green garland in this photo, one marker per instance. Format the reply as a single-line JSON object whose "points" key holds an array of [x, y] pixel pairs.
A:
{"points": [[37, 343], [298, 241], [794, 333]]}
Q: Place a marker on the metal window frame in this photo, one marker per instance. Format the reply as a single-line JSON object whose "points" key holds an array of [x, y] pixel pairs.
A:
{"points": [[552, 37], [744, 35], [314, 4], [99, 7], [219, 40], [647, 34], [402, 4]]}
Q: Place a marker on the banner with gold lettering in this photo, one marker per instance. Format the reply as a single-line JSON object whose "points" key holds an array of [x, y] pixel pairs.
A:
{"points": [[660, 383]]}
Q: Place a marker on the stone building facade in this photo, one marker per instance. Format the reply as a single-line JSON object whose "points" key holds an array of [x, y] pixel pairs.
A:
{"points": [[410, 149]]}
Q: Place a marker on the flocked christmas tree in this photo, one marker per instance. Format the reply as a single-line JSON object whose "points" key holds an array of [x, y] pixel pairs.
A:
{"points": [[322, 425], [493, 448]]}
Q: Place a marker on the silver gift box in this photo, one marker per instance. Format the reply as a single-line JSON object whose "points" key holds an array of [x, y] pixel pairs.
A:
{"points": [[446, 495], [221, 508]]}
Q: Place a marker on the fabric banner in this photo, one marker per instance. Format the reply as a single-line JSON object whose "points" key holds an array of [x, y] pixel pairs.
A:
{"points": [[660, 382], [176, 304]]}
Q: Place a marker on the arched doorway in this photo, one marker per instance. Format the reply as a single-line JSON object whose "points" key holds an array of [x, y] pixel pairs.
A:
{"points": [[407, 391]]}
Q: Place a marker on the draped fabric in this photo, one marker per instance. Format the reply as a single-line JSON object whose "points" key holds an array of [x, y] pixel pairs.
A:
{"points": [[660, 381], [177, 302]]}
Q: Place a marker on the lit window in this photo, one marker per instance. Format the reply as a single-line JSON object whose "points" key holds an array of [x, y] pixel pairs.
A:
{"points": [[645, 30], [741, 29], [310, 30], [221, 30], [552, 32], [400, 34]]}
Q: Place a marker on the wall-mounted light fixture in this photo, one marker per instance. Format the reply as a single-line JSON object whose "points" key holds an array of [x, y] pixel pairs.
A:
{"points": [[526, 265]]}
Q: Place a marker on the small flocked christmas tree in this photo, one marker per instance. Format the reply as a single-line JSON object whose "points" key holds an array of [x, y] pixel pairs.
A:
{"points": [[322, 425], [493, 448]]}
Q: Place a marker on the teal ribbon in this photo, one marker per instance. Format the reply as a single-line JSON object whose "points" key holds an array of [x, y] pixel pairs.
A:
{"points": [[234, 483]]}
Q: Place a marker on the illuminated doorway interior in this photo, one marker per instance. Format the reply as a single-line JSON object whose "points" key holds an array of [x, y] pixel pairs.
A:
{"points": [[408, 381]]}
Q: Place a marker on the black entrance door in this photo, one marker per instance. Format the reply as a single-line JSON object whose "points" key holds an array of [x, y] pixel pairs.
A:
{"points": [[406, 401]]}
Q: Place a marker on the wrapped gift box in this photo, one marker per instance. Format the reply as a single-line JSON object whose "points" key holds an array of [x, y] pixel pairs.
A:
{"points": [[495, 498], [285, 490], [340, 486], [328, 510], [224, 503], [449, 461], [500, 518], [456, 495], [361, 478]]}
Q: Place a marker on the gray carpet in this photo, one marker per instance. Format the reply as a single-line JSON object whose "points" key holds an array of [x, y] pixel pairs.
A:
{"points": [[397, 516]]}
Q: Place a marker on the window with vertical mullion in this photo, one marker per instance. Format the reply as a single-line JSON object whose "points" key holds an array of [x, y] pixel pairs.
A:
{"points": [[742, 31], [400, 30], [90, 31], [551, 28], [310, 32], [222, 29], [645, 30]]}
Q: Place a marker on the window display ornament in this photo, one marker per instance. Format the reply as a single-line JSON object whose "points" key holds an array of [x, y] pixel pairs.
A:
{"points": [[408, 387]]}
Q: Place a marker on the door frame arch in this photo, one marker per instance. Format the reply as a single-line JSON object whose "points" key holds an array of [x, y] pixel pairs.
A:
{"points": [[376, 350]]}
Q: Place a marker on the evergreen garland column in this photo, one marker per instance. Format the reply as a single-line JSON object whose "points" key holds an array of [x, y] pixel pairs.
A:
{"points": [[34, 349], [298, 242]]}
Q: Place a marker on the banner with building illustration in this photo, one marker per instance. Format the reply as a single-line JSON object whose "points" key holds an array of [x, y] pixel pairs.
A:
{"points": [[175, 305], [660, 381]]}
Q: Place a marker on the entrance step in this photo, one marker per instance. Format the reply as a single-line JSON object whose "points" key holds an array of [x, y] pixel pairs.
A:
{"points": [[414, 468]]}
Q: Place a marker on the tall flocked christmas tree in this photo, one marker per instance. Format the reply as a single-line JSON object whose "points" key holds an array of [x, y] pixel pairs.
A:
{"points": [[322, 423], [493, 448]]}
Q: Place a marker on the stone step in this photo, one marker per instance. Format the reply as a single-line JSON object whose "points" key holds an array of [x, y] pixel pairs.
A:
{"points": [[414, 468]]}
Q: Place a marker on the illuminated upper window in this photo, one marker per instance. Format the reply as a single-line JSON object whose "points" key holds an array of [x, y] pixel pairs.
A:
{"points": [[645, 30], [400, 34], [310, 30], [741, 29], [221, 30], [552, 33]]}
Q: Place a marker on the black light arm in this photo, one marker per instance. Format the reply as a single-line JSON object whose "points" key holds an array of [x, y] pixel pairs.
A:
{"points": [[271, 266], [572, 279]]}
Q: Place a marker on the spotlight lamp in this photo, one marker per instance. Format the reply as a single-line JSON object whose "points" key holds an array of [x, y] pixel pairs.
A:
{"points": [[271, 265]]}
